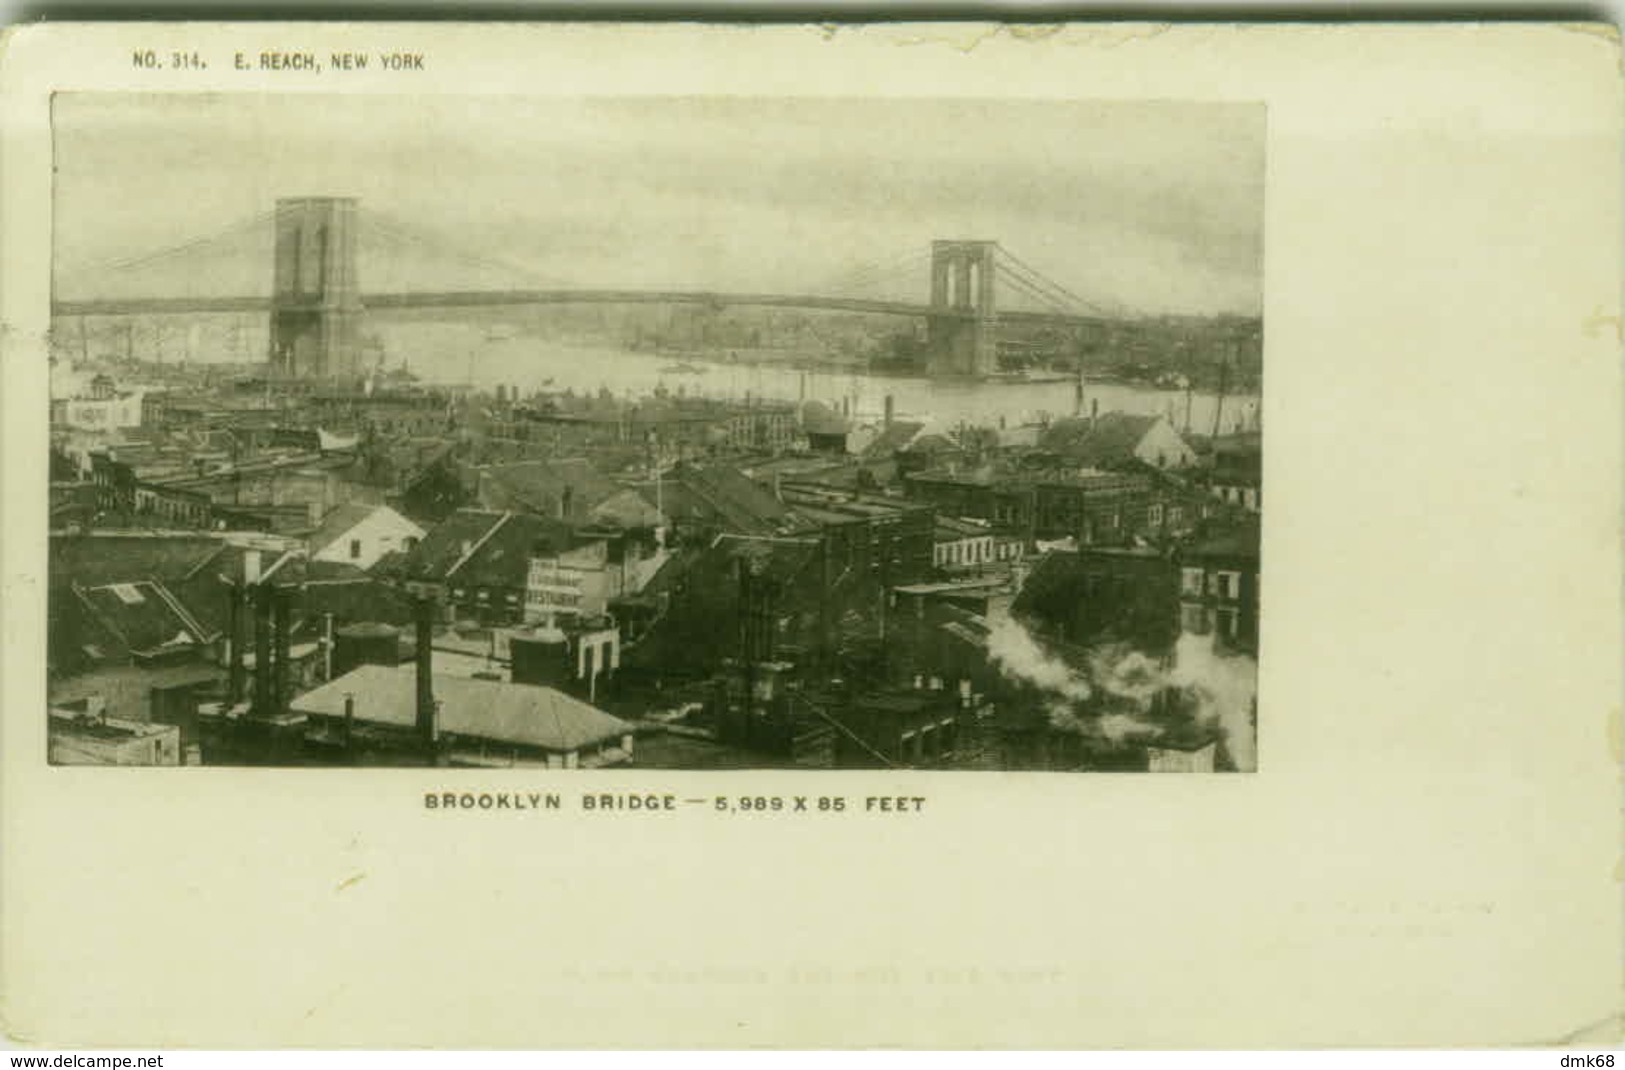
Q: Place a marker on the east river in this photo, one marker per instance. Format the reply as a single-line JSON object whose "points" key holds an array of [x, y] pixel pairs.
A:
{"points": [[445, 353]]}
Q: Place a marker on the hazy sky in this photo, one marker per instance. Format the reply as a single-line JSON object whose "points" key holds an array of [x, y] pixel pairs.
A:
{"points": [[1156, 207]]}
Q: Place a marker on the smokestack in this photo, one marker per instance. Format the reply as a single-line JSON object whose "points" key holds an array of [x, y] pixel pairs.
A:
{"points": [[349, 718], [282, 604], [234, 643], [262, 650], [1077, 397], [424, 613], [1094, 410], [891, 410], [327, 647]]}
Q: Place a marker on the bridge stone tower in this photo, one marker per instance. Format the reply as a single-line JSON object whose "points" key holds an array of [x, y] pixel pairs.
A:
{"points": [[316, 294], [961, 327]]}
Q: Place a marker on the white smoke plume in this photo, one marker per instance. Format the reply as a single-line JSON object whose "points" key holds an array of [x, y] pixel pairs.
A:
{"points": [[1120, 670], [1019, 657], [1222, 687], [1225, 688], [1120, 726]]}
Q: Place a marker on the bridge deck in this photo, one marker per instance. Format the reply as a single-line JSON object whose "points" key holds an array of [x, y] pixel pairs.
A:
{"points": [[503, 298]]}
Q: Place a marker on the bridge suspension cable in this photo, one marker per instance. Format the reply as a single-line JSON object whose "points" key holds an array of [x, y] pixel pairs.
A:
{"points": [[392, 228], [192, 246], [1015, 273], [871, 275], [1019, 267], [1045, 300]]}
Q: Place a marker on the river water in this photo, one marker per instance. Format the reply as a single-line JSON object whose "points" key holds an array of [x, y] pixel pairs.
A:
{"points": [[451, 354]]}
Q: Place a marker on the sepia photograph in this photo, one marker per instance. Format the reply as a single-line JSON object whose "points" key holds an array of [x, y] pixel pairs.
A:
{"points": [[655, 433]]}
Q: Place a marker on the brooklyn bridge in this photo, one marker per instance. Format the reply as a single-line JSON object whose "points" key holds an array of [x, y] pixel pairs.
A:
{"points": [[974, 290]]}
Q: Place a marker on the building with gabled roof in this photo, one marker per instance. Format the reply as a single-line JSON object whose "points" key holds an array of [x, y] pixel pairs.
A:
{"points": [[484, 723], [483, 560], [704, 500], [895, 436], [119, 623], [567, 489], [1118, 440], [358, 534]]}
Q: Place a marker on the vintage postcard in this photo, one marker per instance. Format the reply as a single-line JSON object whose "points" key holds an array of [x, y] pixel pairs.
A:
{"points": [[767, 526]]}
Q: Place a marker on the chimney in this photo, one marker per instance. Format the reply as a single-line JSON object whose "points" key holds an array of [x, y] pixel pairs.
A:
{"points": [[327, 647], [349, 718], [1094, 410], [891, 410], [1077, 397], [237, 597], [426, 719], [262, 650], [566, 500], [281, 626]]}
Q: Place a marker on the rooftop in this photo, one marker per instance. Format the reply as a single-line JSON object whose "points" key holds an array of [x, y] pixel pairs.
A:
{"points": [[1238, 541], [339, 522], [144, 616], [829, 506], [978, 585], [483, 548], [521, 714], [952, 527], [722, 497], [818, 418], [892, 438], [541, 486]]}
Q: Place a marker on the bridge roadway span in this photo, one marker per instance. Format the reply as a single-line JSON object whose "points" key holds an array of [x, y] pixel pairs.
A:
{"points": [[500, 298]]}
